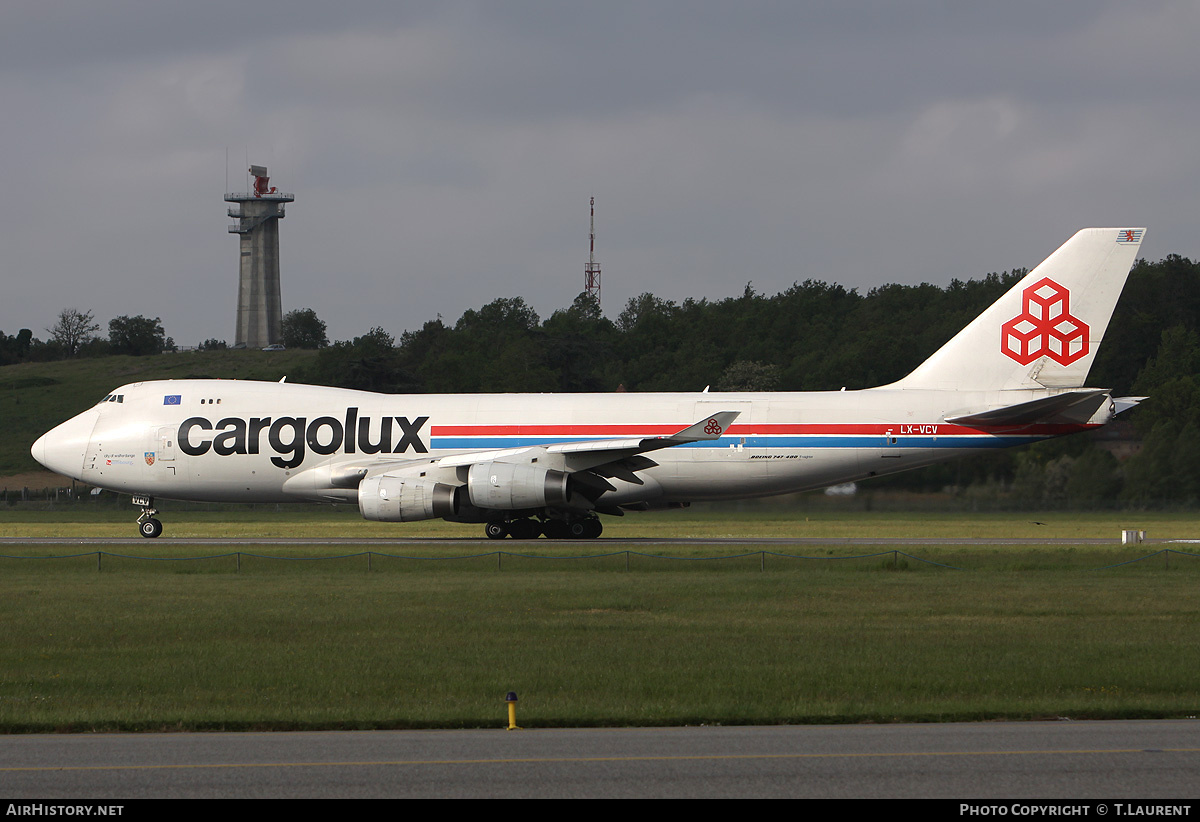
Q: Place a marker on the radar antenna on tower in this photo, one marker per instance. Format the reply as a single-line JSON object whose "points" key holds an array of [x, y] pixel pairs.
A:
{"points": [[591, 273]]}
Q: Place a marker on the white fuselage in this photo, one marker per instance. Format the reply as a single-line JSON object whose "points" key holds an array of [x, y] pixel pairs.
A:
{"points": [[230, 440]]}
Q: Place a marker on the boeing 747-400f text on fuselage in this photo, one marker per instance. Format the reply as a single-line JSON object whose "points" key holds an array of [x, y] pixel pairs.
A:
{"points": [[528, 464]]}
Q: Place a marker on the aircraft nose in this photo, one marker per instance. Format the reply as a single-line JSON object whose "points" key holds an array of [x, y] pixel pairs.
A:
{"points": [[62, 449], [39, 449]]}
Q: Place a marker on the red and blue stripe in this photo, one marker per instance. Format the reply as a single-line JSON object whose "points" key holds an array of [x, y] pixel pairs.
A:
{"points": [[771, 435]]}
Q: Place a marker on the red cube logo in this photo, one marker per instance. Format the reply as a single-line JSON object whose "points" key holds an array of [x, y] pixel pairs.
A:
{"points": [[1045, 327]]}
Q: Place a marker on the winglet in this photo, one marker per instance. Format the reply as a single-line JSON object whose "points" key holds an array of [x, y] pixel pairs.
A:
{"points": [[590, 453], [709, 428]]}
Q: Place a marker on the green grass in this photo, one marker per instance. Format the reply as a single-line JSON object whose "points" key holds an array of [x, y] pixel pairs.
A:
{"points": [[1022, 633], [199, 640]]}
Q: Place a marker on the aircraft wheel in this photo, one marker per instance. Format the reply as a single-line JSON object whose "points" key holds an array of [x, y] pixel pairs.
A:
{"points": [[594, 528], [525, 529], [577, 529], [556, 529], [150, 528], [495, 530]]}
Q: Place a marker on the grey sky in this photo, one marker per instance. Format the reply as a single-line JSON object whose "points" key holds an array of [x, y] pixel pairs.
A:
{"points": [[442, 153]]}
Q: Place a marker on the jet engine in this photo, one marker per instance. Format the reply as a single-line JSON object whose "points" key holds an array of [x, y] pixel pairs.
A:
{"points": [[388, 498], [511, 486]]}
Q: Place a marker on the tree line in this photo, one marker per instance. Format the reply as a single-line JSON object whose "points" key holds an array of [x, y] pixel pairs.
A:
{"points": [[811, 336], [74, 334]]}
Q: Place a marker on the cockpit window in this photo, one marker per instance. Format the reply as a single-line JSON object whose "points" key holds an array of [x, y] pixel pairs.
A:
{"points": [[112, 398]]}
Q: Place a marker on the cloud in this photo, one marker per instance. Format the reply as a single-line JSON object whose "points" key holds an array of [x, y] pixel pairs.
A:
{"points": [[442, 154]]}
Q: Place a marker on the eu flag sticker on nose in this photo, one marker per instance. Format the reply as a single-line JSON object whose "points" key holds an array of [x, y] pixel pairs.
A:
{"points": [[172, 399]]}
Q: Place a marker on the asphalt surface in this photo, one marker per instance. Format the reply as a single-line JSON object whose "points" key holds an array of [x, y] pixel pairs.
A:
{"points": [[1116, 760], [512, 544]]}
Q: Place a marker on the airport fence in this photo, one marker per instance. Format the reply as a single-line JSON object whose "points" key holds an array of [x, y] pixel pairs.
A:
{"points": [[372, 561], [59, 494], [501, 561]]}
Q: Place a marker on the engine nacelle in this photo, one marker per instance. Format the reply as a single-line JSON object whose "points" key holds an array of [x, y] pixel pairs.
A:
{"points": [[404, 499], [510, 486]]}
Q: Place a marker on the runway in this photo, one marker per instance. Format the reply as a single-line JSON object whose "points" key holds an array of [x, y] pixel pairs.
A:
{"points": [[1115, 760], [603, 542]]}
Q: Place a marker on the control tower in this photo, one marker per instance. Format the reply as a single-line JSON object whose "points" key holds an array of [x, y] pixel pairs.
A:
{"points": [[259, 311]]}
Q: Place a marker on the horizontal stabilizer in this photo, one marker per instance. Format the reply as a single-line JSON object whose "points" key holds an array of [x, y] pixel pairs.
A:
{"points": [[1071, 407], [1121, 404]]}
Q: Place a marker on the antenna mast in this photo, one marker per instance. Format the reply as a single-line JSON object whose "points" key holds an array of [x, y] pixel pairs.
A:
{"points": [[591, 274]]}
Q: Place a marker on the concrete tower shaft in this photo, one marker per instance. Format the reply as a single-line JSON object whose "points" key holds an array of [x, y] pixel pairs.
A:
{"points": [[260, 309]]}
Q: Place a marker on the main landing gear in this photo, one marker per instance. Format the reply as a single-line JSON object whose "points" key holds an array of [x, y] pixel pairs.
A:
{"points": [[148, 526], [530, 528]]}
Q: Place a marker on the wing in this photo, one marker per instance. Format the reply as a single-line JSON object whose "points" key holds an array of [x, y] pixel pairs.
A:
{"points": [[586, 454], [589, 464]]}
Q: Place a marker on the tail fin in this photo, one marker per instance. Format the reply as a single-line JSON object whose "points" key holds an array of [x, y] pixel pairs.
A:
{"points": [[1043, 333]]}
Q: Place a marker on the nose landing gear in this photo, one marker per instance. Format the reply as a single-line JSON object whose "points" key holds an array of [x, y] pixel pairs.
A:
{"points": [[148, 526]]}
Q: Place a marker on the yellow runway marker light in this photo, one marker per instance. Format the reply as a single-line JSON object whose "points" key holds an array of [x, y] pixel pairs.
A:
{"points": [[511, 699]]}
